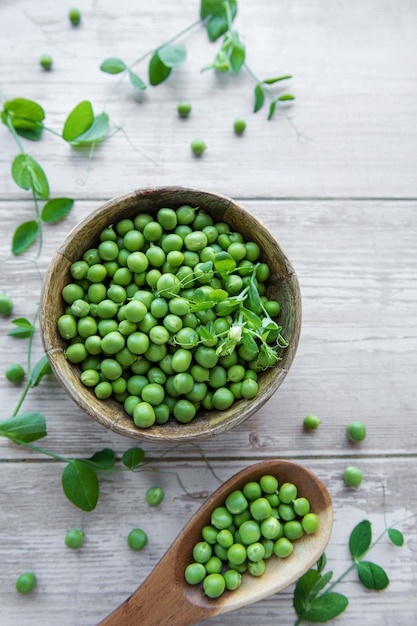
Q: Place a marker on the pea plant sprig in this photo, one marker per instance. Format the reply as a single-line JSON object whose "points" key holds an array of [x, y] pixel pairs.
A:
{"points": [[314, 603]]}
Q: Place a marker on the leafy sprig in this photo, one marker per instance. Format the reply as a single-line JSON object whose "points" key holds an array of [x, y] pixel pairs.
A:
{"points": [[313, 604]]}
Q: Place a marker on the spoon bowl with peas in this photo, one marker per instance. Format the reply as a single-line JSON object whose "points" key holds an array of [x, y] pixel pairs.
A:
{"points": [[165, 597]]}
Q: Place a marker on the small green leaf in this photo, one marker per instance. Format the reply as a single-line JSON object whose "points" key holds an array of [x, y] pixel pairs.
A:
{"points": [[24, 236], [205, 334], [78, 121], [25, 427], [224, 262], [41, 369], [113, 65], [172, 56], [158, 71], [396, 537], [303, 590], [28, 174], [97, 131], [56, 209], [136, 81], [259, 94], [80, 485], [322, 582], [271, 81], [251, 317], [322, 562], [325, 608], [360, 539], [237, 55], [285, 97], [215, 10], [133, 457], [26, 117], [372, 576], [105, 458], [218, 295], [272, 108], [249, 342], [253, 301]]}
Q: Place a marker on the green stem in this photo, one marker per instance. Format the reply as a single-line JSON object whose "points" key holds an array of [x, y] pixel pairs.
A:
{"points": [[341, 577], [43, 451], [14, 133], [29, 368]]}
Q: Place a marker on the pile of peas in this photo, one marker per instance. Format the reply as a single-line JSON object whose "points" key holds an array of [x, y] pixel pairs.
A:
{"points": [[255, 523], [132, 327]]}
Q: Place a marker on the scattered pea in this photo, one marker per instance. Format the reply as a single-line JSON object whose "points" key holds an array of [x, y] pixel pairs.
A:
{"points": [[352, 476], [311, 422], [137, 539], [154, 496], [184, 109], [6, 304], [198, 146], [15, 373], [74, 16], [356, 431], [239, 126], [45, 61], [74, 539], [26, 582]]}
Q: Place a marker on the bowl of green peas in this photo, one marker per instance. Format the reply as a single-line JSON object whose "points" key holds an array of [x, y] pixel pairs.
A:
{"points": [[170, 314]]}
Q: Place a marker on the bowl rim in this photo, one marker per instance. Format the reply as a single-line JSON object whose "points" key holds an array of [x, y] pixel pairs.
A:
{"points": [[198, 429]]}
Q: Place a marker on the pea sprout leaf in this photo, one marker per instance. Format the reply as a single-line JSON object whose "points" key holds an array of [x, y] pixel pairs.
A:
{"points": [[113, 65], [133, 457], [96, 132], [259, 94], [54, 210], [360, 539], [254, 299], [80, 485], [41, 369], [271, 81], [303, 590], [237, 55], [136, 81], [216, 11], [372, 576], [322, 562], [24, 235], [272, 108], [173, 55], [26, 117], [251, 317], [28, 174], [25, 427], [325, 608], [24, 328], [286, 97], [158, 71], [224, 262], [78, 121], [396, 537], [105, 458]]}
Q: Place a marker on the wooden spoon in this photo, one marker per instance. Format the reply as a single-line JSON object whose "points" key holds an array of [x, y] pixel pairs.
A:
{"points": [[165, 598]]}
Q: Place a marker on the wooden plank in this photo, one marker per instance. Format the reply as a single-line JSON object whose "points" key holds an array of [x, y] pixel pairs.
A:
{"points": [[349, 134], [82, 587]]}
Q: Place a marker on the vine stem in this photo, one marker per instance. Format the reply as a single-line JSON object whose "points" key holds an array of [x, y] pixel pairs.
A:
{"points": [[29, 368]]}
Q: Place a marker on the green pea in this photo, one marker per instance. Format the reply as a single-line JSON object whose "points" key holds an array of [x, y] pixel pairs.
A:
{"points": [[356, 431], [214, 565], [236, 502], [184, 109], [249, 388], [250, 532], [93, 344], [225, 538], [74, 539], [287, 493], [301, 506], [137, 539], [222, 399], [74, 16], [293, 530], [252, 490], [26, 582], [104, 327], [90, 378], [72, 292], [206, 357], [154, 496], [352, 476], [153, 394], [143, 415], [112, 342], [198, 146], [162, 412], [155, 255], [181, 360], [286, 512], [45, 61], [195, 573], [268, 484], [168, 286], [15, 373], [138, 343], [103, 390], [260, 509], [141, 220], [209, 534], [311, 422], [310, 523], [79, 269], [255, 552], [152, 231], [239, 126], [283, 548], [214, 585], [236, 554], [111, 369], [76, 352], [202, 552], [184, 411]]}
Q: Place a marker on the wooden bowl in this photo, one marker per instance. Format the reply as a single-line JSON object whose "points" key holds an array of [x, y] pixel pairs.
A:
{"points": [[283, 286]]}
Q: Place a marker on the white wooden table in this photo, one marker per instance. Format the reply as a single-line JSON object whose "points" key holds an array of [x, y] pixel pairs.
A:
{"points": [[333, 177]]}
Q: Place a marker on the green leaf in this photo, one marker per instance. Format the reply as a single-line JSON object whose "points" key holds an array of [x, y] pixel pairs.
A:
{"points": [[325, 608], [158, 71], [26, 117], [251, 317], [173, 55], [136, 81], [24, 236], [28, 174], [80, 485], [253, 300], [205, 334], [303, 590], [97, 131], [322, 582], [113, 65], [78, 121], [237, 55], [215, 10], [322, 562], [56, 209], [396, 537], [218, 295], [249, 342], [272, 108], [285, 97], [372, 576], [105, 458], [259, 94], [41, 369], [25, 427], [271, 81], [224, 262], [133, 457], [360, 539]]}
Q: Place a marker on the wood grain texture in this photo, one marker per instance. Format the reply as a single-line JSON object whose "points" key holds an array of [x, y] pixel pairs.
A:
{"points": [[332, 177]]}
